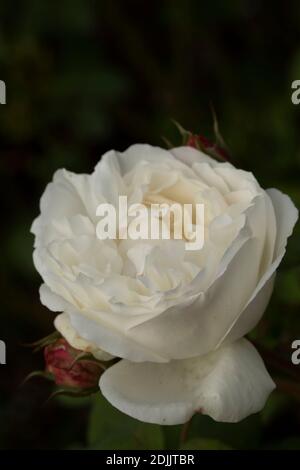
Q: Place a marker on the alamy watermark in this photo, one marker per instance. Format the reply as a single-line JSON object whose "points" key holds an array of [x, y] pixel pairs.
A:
{"points": [[296, 354], [152, 221], [2, 352], [2, 92], [295, 96]]}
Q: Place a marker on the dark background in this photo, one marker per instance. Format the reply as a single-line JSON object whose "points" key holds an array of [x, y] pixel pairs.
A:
{"points": [[86, 76]]}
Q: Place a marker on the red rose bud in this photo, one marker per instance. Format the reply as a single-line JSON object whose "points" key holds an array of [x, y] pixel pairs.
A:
{"points": [[198, 140], [64, 363], [202, 143]]}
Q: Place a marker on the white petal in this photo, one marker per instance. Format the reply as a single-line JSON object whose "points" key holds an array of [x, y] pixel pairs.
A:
{"points": [[270, 235], [63, 325], [113, 340], [190, 155], [254, 310], [51, 300], [106, 179], [228, 385], [286, 217], [207, 174], [65, 197], [142, 152]]}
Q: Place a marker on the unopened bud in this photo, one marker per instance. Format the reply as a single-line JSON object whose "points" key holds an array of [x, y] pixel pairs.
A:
{"points": [[68, 369]]}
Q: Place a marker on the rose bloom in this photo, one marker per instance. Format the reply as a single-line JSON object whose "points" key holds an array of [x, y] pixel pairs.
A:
{"points": [[176, 318]]}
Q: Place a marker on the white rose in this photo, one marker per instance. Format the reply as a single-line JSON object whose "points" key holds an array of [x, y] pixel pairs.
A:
{"points": [[177, 318]]}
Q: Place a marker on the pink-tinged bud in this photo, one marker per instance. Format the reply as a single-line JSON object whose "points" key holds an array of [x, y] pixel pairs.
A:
{"points": [[61, 362], [199, 140], [202, 143]]}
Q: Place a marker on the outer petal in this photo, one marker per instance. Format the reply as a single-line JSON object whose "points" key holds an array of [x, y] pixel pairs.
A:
{"points": [[227, 385], [190, 155], [51, 300], [63, 325], [286, 217], [114, 341], [254, 310]]}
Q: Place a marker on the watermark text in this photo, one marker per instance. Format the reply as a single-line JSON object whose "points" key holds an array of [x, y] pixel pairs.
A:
{"points": [[2, 92], [152, 221], [296, 354], [2, 352]]}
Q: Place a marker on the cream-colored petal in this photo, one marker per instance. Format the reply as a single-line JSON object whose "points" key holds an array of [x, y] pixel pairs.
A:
{"points": [[228, 385], [63, 325], [286, 217], [189, 156]]}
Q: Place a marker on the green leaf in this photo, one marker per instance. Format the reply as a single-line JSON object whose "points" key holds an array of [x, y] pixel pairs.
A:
{"points": [[172, 436], [71, 402], [246, 434], [110, 429], [199, 443], [276, 405]]}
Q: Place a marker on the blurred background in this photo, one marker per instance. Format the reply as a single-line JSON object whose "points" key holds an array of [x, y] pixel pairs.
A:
{"points": [[86, 76]]}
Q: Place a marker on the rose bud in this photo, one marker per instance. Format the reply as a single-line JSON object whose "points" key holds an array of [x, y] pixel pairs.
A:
{"points": [[200, 142], [64, 363]]}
